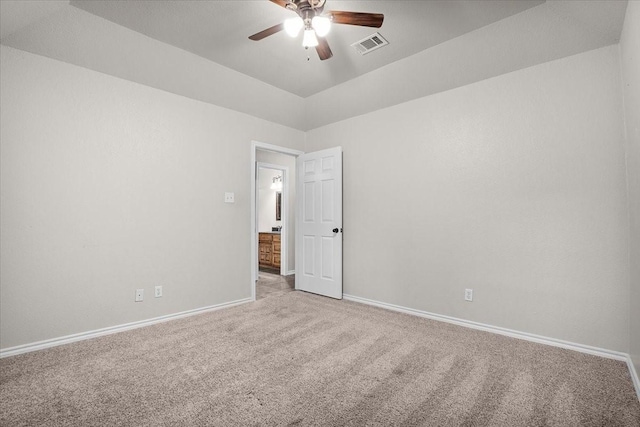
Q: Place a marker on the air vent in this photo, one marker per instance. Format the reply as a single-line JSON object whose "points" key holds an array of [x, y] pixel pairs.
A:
{"points": [[369, 44]]}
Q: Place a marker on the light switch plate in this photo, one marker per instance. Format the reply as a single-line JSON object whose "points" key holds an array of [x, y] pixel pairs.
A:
{"points": [[229, 197]]}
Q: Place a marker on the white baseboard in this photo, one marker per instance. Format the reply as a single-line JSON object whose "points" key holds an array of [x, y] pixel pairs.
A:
{"points": [[40, 345], [609, 354], [290, 273], [634, 375]]}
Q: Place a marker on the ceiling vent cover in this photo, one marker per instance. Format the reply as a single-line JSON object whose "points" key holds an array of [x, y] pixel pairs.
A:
{"points": [[369, 44]]}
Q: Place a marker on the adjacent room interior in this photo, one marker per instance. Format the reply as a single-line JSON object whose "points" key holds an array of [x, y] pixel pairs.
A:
{"points": [[490, 203], [275, 216]]}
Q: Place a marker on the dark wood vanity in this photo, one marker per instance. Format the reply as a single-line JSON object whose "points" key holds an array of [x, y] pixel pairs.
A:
{"points": [[269, 250]]}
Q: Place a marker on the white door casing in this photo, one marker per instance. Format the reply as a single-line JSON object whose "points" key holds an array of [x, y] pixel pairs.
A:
{"points": [[319, 222]]}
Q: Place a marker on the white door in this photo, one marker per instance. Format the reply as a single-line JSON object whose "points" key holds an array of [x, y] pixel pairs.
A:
{"points": [[319, 222]]}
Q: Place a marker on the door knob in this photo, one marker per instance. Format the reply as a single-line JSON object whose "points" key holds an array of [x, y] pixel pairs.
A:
{"points": [[335, 230]]}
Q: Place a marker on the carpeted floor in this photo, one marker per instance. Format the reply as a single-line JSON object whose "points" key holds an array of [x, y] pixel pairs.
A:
{"points": [[301, 359], [270, 284]]}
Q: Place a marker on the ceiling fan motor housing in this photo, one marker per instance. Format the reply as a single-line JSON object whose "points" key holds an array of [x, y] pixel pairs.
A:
{"points": [[304, 7]]}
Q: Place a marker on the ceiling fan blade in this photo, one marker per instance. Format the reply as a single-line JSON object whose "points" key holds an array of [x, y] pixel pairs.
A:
{"points": [[323, 49], [282, 3], [357, 18], [266, 33]]}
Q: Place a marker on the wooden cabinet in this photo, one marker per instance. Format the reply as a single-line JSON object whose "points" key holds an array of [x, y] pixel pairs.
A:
{"points": [[269, 250]]}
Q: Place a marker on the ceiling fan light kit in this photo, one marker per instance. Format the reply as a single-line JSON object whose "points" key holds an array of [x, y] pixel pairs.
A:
{"points": [[309, 39], [316, 25], [319, 27], [293, 26], [322, 25]]}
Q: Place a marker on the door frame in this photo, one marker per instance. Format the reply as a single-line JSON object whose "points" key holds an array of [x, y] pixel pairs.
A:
{"points": [[255, 146]]}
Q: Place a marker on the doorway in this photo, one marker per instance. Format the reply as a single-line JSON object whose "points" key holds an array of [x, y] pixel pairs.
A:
{"points": [[265, 158], [272, 200]]}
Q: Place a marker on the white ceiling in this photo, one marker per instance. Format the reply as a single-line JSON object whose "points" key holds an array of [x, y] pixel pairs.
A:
{"points": [[200, 49], [219, 30]]}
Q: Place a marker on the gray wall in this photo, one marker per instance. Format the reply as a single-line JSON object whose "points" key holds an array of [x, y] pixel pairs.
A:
{"points": [[513, 186], [108, 186], [630, 54], [266, 203]]}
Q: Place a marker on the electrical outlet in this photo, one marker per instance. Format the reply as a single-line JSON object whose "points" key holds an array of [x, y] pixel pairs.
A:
{"points": [[468, 294], [229, 197], [158, 291], [139, 295]]}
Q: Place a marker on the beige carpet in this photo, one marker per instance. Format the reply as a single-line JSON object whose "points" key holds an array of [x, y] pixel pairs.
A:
{"points": [[301, 359], [271, 284]]}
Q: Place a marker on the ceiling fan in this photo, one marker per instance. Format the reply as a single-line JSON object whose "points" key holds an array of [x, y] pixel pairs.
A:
{"points": [[316, 24]]}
